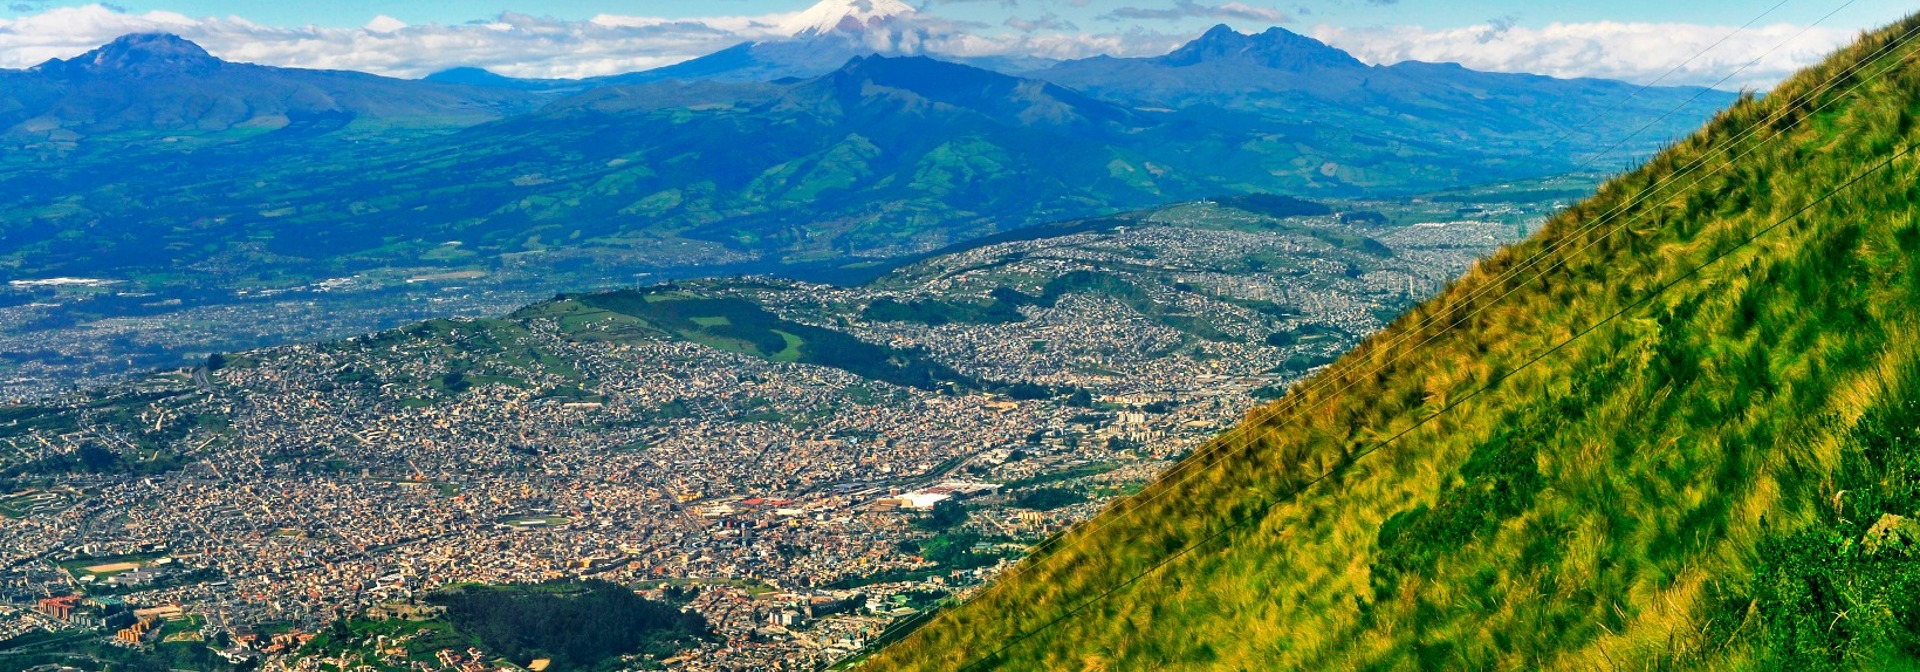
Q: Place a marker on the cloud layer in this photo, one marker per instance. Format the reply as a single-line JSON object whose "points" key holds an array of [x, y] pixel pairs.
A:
{"points": [[515, 44], [528, 46], [1189, 9], [1635, 52]]}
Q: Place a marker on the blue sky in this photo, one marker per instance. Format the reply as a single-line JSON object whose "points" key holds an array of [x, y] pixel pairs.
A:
{"points": [[1430, 13], [1633, 40]]}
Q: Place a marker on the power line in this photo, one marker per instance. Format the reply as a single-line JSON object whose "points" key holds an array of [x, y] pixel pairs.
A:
{"points": [[1796, 106], [1568, 240], [1696, 96], [1203, 457], [1260, 511], [1229, 447]]}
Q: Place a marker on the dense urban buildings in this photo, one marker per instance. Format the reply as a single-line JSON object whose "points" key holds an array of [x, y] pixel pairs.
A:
{"points": [[800, 508]]}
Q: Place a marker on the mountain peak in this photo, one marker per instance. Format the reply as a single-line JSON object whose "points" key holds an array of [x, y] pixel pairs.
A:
{"points": [[465, 74], [1276, 48], [138, 53], [850, 16], [1218, 33]]}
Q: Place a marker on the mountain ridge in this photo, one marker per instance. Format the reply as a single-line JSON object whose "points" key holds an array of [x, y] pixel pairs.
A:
{"points": [[1275, 48], [136, 53], [885, 156], [302, 176], [1279, 72], [156, 82]]}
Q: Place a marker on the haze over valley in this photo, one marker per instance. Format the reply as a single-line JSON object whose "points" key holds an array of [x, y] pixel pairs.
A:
{"points": [[876, 336], [177, 188]]}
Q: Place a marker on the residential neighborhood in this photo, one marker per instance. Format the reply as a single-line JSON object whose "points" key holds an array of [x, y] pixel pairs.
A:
{"points": [[787, 503]]}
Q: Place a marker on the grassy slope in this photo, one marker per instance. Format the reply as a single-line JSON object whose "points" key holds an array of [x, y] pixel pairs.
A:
{"points": [[1692, 484]]}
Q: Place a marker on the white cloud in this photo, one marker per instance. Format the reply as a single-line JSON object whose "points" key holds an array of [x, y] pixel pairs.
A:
{"points": [[1063, 46], [385, 24], [31, 40], [512, 44], [528, 46], [1635, 52], [1048, 21], [1190, 9]]}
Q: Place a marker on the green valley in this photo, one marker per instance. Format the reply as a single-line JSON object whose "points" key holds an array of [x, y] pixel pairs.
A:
{"points": [[309, 205]]}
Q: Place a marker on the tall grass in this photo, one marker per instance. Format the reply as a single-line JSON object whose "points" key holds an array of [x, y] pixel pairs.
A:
{"points": [[1695, 484]]}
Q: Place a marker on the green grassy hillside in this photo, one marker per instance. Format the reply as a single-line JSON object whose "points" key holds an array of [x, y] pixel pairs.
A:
{"points": [[1675, 429]]}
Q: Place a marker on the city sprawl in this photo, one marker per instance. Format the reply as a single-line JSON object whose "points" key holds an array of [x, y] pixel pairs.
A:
{"points": [[646, 437]]}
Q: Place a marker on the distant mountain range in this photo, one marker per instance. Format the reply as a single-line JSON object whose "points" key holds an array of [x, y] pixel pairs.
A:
{"points": [[146, 83], [149, 158], [881, 157], [821, 39], [164, 83], [1282, 73]]}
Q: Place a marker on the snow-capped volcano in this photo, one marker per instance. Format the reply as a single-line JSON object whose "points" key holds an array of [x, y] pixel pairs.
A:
{"points": [[851, 16], [824, 37]]}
